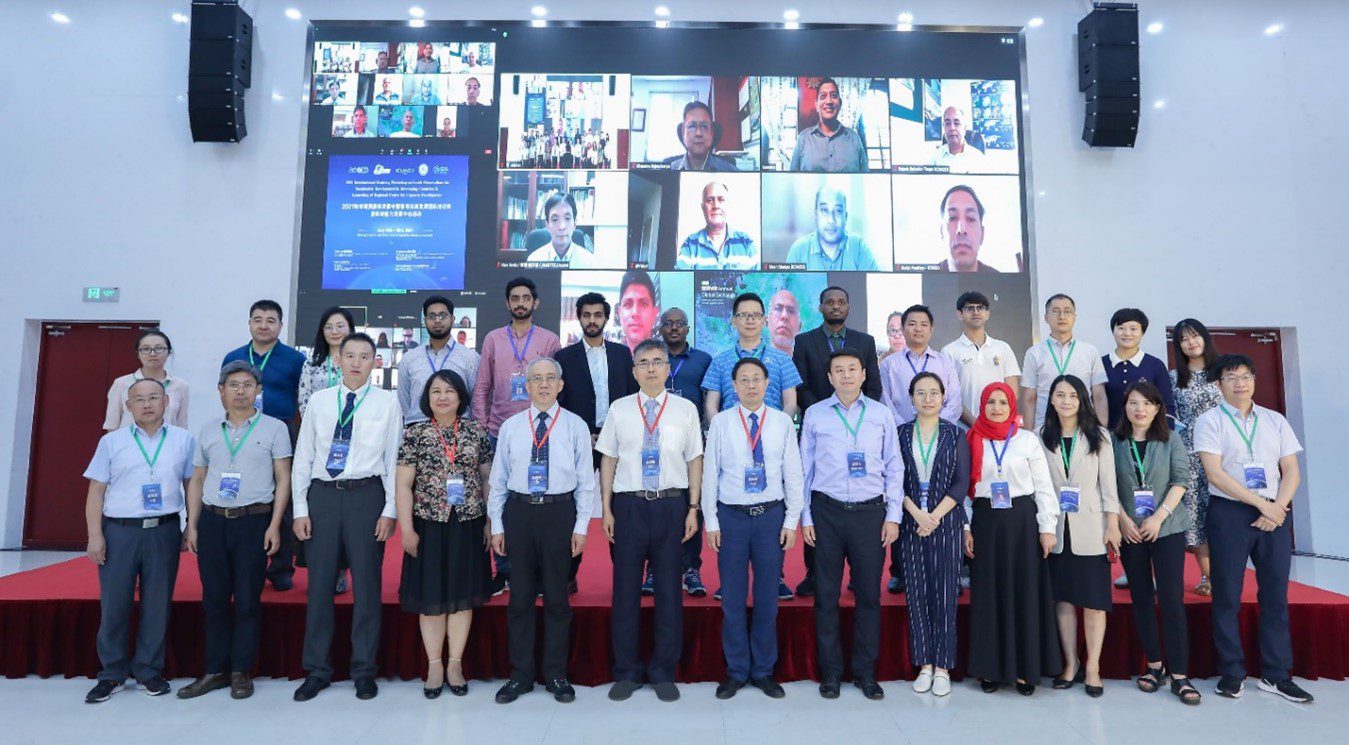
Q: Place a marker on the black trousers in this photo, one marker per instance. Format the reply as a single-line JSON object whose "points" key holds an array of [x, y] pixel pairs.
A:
{"points": [[344, 522], [692, 549], [1231, 541], [1163, 559], [647, 530], [148, 557], [282, 563], [233, 564], [854, 534], [538, 542], [897, 561]]}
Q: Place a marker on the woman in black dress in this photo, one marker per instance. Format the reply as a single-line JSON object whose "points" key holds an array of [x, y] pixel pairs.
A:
{"points": [[442, 517]]}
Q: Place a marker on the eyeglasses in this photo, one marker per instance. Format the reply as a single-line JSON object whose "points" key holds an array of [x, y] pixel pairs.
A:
{"points": [[152, 397], [749, 316], [537, 379], [154, 350], [333, 329], [1244, 378], [438, 316], [651, 364], [244, 386], [674, 324], [976, 308]]}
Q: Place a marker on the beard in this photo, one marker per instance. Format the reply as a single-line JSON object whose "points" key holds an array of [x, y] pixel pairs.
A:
{"points": [[592, 331], [438, 335]]}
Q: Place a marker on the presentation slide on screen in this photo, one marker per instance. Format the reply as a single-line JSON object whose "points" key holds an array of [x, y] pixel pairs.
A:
{"points": [[395, 222]]}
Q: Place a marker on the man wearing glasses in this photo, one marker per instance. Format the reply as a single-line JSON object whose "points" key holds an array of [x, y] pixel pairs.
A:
{"points": [[699, 135], [980, 359], [440, 353]]}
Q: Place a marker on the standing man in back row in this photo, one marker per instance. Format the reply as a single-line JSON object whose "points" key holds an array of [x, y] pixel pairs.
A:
{"points": [[440, 353], [684, 379], [981, 358], [1060, 354], [280, 366]]}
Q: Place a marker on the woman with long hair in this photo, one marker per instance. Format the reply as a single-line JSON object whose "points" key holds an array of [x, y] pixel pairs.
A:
{"points": [[1196, 392], [322, 369]]}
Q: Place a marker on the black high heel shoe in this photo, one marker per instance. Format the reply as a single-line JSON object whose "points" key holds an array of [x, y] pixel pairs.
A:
{"points": [[431, 693], [989, 686], [1093, 691], [1063, 684], [458, 690], [1025, 688]]}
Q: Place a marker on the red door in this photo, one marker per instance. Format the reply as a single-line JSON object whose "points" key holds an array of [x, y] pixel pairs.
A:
{"points": [[1263, 346], [77, 362]]}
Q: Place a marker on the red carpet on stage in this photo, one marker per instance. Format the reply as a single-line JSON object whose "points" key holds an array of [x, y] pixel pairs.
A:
{"points": [[49, 617]]}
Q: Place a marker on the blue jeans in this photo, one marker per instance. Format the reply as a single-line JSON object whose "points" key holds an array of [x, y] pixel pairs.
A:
{"points": [[751, 648]]}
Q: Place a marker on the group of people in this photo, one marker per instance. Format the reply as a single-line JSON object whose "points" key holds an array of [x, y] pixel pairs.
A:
{"points": [[588, 149], [488, 467]]}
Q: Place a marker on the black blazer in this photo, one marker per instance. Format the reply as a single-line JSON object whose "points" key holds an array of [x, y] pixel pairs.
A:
{"points": [[578, 392], [950, 467], [811, 356]]}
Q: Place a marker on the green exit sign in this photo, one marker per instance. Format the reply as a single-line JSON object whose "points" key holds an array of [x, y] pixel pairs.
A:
{"points": [[102, 294]]}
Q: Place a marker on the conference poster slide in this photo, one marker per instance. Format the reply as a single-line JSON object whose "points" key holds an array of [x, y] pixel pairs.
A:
{"points": [[791, 305], [637, 298], [827, 222], [395, 222], [958, 223], [887, 296], [953, 126]]}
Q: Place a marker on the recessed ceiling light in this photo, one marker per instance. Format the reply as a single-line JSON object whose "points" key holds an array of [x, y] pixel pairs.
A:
{"points": [[539, 11], [906, 17], [180, 18], [293, 14], [416, 12], [60, 17], [1036, 22], [1273, 29], [662, 11], [790, 14], [277, 96], [417, 23], [1159, 103], [1155, 27]]}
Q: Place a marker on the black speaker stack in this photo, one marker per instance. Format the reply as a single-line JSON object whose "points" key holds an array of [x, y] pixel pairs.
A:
{"points": [[220, 69], [1107, 72]]}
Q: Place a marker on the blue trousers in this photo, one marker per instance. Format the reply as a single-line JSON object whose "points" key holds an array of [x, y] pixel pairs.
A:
{"points": [[1232, 540], [931, 576], [750, 645], [148, 557]]}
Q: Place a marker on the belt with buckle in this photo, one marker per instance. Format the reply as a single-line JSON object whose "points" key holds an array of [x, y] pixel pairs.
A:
{"points": [[866, 504], [346, 484], [652, 495], [542, 498], [230, 513], [754, 510], [145, 523]]}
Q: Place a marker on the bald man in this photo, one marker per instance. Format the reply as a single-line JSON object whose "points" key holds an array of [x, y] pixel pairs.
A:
{"points": [[954, 152], [717, 246], [830, 248]]}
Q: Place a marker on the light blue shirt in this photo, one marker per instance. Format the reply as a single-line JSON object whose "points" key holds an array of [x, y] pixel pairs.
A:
{"points": [[118, 463], [899, 369], [419, 364], [737, 252], [826, 442], [728, 452], [782, 374], [854, 255], [570, 465]]}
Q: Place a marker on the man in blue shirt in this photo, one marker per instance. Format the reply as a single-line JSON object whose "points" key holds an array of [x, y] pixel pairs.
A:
{"points": [[854, 489], [831, 248], [136, 482], [280, 366], [717, 246], [747, 315]]}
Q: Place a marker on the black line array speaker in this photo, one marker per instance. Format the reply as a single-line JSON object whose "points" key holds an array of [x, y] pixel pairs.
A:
{"points": [[1107, 72], [220, 69]]}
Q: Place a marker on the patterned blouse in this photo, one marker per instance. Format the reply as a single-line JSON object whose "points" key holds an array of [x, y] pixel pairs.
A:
{"points": [[422, 450], [314, 378], [1201, 395]]}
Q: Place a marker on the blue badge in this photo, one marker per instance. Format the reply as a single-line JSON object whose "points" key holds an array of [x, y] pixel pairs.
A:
{"points": [[650, 462], [257, 401], [1145, 503], [756, 479], [518, 392], [676, 391], [1069, 497], [538, 478], [923, 488], [857, 465], [1255, 475], [152, 498], [1002, 495], [454, 491], [229, 486], [337, 456]]}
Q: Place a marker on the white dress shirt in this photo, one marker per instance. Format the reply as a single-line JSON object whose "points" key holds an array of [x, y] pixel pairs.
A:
{"points": [[376, 431], [994, 362], [1274, 439], [570, 465], [728, 453], [1039, 369], [577, 257], [1026, 471], [680, 432], [597, 359]]}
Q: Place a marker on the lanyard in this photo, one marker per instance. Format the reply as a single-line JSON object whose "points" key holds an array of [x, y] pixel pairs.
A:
{"points": [[451, 450], [754, 440], [430, 361], [651, 428], [842, 341], [1062, 368], [1138, 461], [909, 360], [342, 421], [1249, 439], [538, 444], [1066, 452], [925, 450], [997, 456], [265, 357], [163, 435], [756, 352], [515, 350], [674, 369], [331, 375], [852, 428], [234, 449]]}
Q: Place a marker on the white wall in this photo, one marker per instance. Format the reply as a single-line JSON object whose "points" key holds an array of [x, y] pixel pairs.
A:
{"points": [[1226, 210]]}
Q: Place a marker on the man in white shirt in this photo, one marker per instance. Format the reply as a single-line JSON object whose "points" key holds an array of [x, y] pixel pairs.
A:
{"points": [[1060, 354], [955, 153], [559, 214], [650, 479], [753, 488], [1249, 454], [343, 481], [439, 353], [980, 358]]}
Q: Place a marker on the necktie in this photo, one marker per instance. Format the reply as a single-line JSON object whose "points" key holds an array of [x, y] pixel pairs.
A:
{"points": [[540, 454], [754, 435], [341, 432], [650, 441]]}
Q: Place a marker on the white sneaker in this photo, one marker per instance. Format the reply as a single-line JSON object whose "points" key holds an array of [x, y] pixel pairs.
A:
{"points": [[924, 682], [941, 684]]}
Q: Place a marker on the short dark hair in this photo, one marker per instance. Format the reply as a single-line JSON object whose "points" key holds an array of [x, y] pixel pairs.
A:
{"points": [[437, 300], [1159, 430], [745, 297], [924, 375], [1230, 362], [917, 308], [845, 352], [831, 288], [755, 361], [265, 305], [968, 190], [239, 366], [357, 337], [695, 105], [828, 81], [153, 332], [557, 199], [1124, 315], [456, 382], [592, 298], [972, 298], [1060, 296], [524, 282], [1210, 351], [649, 344], [320, 352], [637, 277]]}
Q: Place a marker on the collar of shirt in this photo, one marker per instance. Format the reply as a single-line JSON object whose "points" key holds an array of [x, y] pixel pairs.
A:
{"points": [[1061, 347], [595, 348], [642, 398], [815, 130], [225, 420], [966, 341], [163, 428], [345, 389], [746, 412], [1134, 360], [847, 409], [817, 246], [535, 411], [137, 376], [704, 240]]}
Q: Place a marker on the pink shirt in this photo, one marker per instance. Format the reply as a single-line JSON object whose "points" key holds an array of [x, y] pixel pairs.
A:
{"points": [[492, 402]]}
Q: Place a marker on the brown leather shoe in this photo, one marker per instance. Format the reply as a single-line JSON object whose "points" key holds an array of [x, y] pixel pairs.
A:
{"points": [[241, 686], [204, 685]]}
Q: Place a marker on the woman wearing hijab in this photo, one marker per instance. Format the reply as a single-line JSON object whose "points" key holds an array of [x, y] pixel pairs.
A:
{"points": [[1013, 639]]}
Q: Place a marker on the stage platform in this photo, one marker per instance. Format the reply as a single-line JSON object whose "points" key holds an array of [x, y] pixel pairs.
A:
{"points": [[49, 617]]}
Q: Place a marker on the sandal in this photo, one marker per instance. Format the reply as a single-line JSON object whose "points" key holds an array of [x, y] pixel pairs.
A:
{"points": [[1204, 587], [1151, 681], [1184, 691]]}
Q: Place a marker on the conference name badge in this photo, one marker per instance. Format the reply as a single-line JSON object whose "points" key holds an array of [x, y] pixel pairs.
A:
{"points": [[1255, 475], [1001, 495], [538, 478], [1145, 503], [857, 465], [1070, 495], [152, 497], [518, 388], [257, 402], [923, 488], [454, 490], [650, 462], [337, 456], [756, 479], [229, 486]]}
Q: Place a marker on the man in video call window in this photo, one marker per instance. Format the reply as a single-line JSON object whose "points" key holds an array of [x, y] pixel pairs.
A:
{"points": [[637, 309], [717, 246], [426, 93], [954, 151], [831, 248], [784, 320], [386, 94], [409, 123], [332, 93], [963, 226], [360, 125], [446, 128], [560, 213], [829, 146], [426, 60], [699, 135], [472, 89], [382, 63]]}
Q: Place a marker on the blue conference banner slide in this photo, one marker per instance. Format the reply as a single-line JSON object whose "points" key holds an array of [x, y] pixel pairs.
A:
{"points": [[395, 222]]}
